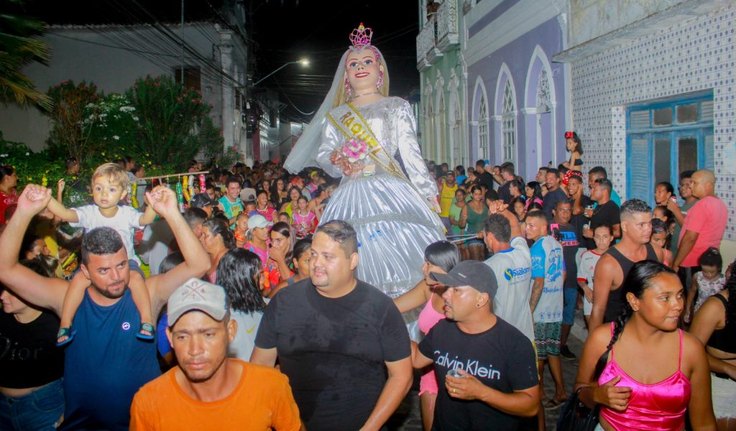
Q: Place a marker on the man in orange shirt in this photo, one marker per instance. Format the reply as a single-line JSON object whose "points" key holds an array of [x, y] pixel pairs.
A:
{"points": [[208, 390]]}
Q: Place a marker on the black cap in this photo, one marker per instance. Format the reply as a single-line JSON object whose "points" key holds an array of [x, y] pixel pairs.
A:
{"points": [[201, 200], [471, 273]]}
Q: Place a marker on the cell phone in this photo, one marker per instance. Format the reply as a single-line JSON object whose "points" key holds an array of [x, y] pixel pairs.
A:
{"points": [[554, 230]]}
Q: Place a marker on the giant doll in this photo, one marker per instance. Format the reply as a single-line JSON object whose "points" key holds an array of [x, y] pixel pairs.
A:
{"points": [[369, 139]]}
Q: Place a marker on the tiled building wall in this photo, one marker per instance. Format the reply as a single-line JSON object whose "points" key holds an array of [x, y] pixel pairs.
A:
{"points": [[691, 56]]}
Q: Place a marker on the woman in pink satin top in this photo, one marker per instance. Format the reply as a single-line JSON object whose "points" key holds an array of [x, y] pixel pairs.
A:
{"points": [[654, 372]]}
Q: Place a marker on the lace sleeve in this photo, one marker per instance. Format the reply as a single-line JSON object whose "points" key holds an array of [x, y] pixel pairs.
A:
{"points": [[406, 139]]}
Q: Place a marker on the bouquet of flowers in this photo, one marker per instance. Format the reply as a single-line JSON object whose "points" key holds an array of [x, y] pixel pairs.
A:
{"points": [[351, 156]]}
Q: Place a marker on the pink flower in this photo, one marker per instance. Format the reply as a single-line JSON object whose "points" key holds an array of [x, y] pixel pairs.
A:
{"points": [[355, 150]]}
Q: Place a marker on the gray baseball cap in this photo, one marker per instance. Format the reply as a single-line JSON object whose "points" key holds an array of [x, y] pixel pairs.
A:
{"points": [[200, 295], [471, 273]]}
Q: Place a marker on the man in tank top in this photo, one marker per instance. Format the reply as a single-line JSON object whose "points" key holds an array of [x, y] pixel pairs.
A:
{"points": [[105, 364], [612, 268]]}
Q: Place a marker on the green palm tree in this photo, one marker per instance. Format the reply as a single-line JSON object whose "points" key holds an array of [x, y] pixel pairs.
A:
{"points": [[19, 46]]}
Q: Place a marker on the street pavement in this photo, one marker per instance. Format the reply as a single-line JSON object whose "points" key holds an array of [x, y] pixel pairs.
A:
{"points": [[408, 416]]}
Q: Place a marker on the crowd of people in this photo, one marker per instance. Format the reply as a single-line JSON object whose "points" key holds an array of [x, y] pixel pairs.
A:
{"points": [[259, 298]]}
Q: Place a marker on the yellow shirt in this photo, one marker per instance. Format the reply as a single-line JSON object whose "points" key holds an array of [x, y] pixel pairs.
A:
{"points": [[447, 195]]}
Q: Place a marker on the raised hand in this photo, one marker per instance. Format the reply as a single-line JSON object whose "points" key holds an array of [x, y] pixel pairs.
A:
{"points": [[163, 201], [497, 207], [33, 199]]}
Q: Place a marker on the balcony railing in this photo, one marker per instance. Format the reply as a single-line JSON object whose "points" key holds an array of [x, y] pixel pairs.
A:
{"points": [[427, 51], [426, 43], [447, 25]]}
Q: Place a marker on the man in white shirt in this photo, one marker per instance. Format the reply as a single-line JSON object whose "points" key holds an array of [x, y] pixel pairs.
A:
{"points": [[511, 263]]}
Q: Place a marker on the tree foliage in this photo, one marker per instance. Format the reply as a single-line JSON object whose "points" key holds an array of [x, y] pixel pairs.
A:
{"points": [[19, 46]]}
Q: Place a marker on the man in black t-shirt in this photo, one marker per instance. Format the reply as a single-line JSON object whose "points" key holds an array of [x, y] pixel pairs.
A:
{"points": [[554, 193], [494, 362], [507, 174], [568, 235], [484, 177], [606, 213], [337, 338]]}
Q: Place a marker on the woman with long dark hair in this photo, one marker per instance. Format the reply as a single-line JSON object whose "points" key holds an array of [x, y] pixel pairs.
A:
{"points": [[439, 257], [472, 217], [239, 273], [652, 372], [715, 326], [217, 239]]}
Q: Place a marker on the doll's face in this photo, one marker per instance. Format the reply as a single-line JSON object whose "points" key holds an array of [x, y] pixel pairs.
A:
{"points": [[363, 70]]}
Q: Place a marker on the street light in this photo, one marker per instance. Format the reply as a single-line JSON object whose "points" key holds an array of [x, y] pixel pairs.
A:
{"points": [[304, 62]]}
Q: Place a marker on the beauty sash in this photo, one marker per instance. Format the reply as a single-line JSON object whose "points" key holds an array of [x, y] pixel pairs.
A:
{"points": [[354, 126]]}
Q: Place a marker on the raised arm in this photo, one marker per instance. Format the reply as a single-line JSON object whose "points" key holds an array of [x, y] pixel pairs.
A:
{"points": [[148, 216], [38, 290], [417, 296], [196, 261], [64, 213]]}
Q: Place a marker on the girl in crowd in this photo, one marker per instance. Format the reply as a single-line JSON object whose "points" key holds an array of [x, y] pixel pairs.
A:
{"points": [[668, 218], [279, 254], [263, 206], [715, 326], [518, 207], [290, 206], [651, 394], [279, 195], [305, 221], [217, 239], [317, 204], [240, 234], [439, 257], [659, 240], [602, 236], [533, 193], [575, 147], [472, 218], [455, 211], [8, 196], [239, 273], [299, 262], [706, 282]]}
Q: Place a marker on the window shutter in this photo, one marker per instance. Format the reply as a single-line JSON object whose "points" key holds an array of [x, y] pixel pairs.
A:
{"points": [[709, 152], [639, 170]]}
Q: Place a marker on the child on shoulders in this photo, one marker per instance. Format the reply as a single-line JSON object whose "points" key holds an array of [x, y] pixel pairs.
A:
{"points": [[109, 188]]}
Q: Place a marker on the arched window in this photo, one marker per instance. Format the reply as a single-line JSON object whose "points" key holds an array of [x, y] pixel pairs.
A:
{"points": [[483, 139], [544, 102], [508, 129]]}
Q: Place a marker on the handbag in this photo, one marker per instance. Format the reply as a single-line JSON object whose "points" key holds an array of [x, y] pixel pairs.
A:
{"points": [[576, 416]]}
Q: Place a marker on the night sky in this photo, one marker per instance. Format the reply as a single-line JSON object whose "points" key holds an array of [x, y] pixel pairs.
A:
{"points": [[280, 31]]}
